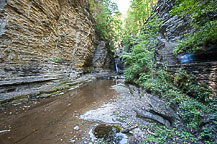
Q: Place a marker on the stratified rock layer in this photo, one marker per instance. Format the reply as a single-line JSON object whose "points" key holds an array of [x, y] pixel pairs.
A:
{"points": [[44, 39], [172, 31], [103, 57]]}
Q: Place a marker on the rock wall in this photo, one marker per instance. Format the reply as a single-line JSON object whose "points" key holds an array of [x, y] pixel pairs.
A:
{"points": [[100, 55], [103, 57], [206, 73], [171, 31], [43, 40]]}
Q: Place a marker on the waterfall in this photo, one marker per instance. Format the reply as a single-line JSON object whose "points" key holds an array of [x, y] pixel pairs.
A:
{"points": [[116, 68]]}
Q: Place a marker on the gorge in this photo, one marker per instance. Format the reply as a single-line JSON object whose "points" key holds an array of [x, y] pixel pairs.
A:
{"points": [[72, 71]]}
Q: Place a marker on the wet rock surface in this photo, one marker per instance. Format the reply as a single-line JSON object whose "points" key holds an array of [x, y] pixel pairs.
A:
{"points": [[110, 134], [54, 120], [39, 87], [43, 43], [49, 86], [128, 109], [75, 115]]}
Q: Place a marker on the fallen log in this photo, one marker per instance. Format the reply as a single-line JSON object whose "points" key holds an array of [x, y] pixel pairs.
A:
{"points": [[127, 130]]}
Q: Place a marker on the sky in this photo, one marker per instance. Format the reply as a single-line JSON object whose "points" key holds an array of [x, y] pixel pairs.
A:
{"points": [[123, 5]]}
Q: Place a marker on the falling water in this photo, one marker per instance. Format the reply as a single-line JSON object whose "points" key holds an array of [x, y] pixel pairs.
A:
{"points": [[116, 68]]}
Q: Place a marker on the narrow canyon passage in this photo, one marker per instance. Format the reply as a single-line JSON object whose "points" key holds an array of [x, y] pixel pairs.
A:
{"points": [[108, 71], [54, 120]]}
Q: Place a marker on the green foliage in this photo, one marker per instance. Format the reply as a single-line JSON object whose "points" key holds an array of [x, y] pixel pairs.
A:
{"points": [[192, 112], [193, 100], [161, 134], [205, 27], [187, 84], [158, 134], [190, 109], [185, 7], [197, 8], [108, 23], [207, 133], [140, 59], [205, 37], [177, 90], [56, 60], [137, 16]]}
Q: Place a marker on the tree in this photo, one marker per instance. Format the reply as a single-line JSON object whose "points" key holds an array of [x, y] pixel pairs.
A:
{"points": [[108, 23]]}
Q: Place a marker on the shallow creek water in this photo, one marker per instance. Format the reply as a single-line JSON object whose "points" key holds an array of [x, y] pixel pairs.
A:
{"points": [[55, 120]]}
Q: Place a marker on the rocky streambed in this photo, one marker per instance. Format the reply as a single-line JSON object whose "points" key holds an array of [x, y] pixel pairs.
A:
{"points": [[100, 111], [131, 109], [54, 120]]}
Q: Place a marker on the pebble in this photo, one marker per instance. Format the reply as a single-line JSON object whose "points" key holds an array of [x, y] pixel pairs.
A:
{"points": [[71, 140], [3, 131], [76, 128], [61, 93], [26, 106]]}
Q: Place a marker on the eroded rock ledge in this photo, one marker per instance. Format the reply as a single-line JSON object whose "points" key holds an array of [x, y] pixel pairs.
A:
{"points": [[43, 41]]}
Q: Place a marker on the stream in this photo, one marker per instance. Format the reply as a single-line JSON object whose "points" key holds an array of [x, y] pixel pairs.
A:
{"points": [[57, 119]]}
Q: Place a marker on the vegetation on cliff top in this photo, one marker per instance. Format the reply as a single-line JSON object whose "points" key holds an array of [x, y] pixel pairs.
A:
{"points": [[193, 101], [108, 23], [204, 24]]}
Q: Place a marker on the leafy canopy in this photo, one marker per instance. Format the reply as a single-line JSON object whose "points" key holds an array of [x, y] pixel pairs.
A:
{"points": [[108, 23]]}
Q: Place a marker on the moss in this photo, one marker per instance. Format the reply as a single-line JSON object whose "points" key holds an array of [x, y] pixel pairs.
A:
{"points": [[117, 128], [56, 90], [74, 84], [56, 60], [46, 96], [50, 94], [56, 93], [16, 100]]}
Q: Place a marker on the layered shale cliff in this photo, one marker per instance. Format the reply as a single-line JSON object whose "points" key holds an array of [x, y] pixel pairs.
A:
{"points": [[42, 41], [172, 32]]}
